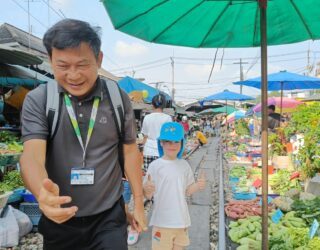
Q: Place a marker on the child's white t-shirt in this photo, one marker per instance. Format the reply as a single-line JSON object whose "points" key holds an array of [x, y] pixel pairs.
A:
{"points": [[171, 179], [151, 127]]}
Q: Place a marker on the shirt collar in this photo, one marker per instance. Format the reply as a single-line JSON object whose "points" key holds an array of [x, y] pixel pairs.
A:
{"points": [[97, 90]]}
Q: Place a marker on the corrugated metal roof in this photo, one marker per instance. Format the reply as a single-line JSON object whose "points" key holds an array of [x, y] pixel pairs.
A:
{"points": [[17, 57], [10, 33]]}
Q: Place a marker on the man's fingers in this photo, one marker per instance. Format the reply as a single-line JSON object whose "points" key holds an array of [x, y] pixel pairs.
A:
{"points": [[57, 200], [50, 186], [61, 219], [52, 212], [149, 177]]}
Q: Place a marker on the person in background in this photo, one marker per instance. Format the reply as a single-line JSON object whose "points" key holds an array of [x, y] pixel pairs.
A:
{"points": [[274, 119], [151, 129], [201, 138], [190, 123], [217, 126], [185, 124], [169, 180], [88, 213]]}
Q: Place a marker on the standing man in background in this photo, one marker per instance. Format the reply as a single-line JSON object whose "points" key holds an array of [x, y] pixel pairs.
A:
{"points": [[88, 213]]}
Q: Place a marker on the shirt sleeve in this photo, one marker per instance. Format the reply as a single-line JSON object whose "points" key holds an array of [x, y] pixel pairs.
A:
{"points": [[34, 123], [129, 120], [144, 129]]}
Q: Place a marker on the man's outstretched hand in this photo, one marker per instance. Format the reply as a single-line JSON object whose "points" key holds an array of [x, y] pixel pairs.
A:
{"points": [[50, 203]]}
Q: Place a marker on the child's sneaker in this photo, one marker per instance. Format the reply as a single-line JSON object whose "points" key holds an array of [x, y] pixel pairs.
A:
{"points": [[133, 237]]}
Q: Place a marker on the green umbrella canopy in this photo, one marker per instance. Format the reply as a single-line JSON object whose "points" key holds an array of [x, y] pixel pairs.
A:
{"points": [[215, 23], [226, 24], [229, 110]]}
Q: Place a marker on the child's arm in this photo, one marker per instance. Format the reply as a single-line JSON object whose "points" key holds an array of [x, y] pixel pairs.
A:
{"points": [[197, 186], [149, 188]]}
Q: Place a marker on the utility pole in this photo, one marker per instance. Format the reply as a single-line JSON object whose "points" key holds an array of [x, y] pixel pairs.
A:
{"points": [[172, 66], [241, 72], [48, 3]]}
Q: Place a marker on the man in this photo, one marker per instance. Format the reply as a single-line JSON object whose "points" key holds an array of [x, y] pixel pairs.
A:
{"points": [[273, 117], [88, 213]]}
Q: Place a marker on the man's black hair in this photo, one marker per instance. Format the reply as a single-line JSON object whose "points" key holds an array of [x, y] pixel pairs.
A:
{"points": [[70, 33], [272, 107], [159, 101]]}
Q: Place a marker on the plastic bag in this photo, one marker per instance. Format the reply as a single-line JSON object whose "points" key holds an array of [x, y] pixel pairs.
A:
{"points": [[9, 229], [24, 222]]}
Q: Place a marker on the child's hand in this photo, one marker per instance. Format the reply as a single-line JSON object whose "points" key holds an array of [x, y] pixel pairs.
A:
{"points": [[201, 180], [149, 187]]}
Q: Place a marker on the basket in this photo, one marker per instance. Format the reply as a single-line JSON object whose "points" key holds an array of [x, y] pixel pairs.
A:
{"points": [[4, 160], [234, 180], [32, 210], [9, 159], [244, 196], [4, 198], [17, 195], [28, 197], [241, 154], [14, 159]]}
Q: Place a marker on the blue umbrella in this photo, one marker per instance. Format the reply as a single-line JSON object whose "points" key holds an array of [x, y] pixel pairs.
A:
{"points": [[129, 85], [284, 80], [227, 95]]}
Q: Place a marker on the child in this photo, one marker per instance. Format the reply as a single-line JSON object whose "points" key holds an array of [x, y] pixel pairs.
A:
{"points": [[169, 179]]}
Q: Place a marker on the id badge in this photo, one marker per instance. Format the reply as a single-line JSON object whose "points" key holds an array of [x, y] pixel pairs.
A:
{"points": [[82, 176]]}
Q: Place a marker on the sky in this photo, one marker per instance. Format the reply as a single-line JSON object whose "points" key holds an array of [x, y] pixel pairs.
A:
{"points": [[126, 55]]}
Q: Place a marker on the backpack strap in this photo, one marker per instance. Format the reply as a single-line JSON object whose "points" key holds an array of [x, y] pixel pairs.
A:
{"points": [[52, 107], [114, 95], [116, 101]]}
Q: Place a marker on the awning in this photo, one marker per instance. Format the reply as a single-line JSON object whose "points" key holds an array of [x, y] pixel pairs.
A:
{"points": [[16, 56]]}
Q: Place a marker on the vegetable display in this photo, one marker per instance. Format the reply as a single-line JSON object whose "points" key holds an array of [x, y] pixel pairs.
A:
{"points": [[241, 209]]}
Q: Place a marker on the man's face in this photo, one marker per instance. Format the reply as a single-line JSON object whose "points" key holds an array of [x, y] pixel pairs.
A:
{"points": [[76, 69]]}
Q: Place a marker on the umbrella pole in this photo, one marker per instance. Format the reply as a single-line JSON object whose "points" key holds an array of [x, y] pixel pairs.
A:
{"points": [[264, 135], [281, 101]]}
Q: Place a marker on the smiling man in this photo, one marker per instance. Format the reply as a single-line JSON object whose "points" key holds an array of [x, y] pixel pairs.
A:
{"points": [[85, 212]]}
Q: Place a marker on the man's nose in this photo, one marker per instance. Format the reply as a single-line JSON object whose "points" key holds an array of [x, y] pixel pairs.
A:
{"points": [[73, 75]]}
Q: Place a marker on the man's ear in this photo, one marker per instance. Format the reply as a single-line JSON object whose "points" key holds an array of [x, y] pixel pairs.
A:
{"points": [[99, 59]]}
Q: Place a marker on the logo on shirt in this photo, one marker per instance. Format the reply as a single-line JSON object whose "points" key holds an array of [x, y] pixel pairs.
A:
{"points": [[157, 236], [103, 120]]}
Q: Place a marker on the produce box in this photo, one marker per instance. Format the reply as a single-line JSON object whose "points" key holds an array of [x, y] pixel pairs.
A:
{"points": [[244, 196]]}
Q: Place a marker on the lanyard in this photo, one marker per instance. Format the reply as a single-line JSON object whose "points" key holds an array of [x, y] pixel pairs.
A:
{"points": [[75, 124]]}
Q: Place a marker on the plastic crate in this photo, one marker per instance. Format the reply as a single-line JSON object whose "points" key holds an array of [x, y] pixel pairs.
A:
{"points": [[244, 196], [28, 197], [32, 210]]}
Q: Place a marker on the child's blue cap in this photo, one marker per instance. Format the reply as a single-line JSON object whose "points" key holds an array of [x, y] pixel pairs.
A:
{"points": [[171, 131]]}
